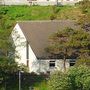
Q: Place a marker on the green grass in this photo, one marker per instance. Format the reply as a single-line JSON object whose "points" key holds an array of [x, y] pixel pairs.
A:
{"points": [[41, 86], [35, 12], [28, 13]]}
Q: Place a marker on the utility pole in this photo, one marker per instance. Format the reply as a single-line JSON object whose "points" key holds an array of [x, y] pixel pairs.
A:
{"points": [[19, 80]]}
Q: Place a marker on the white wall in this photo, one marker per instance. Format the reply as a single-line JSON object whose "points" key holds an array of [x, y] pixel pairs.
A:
{"points": [[59, 65], [20, 50], [44, 3], [20, 44], [33, 62], [15, 2], [38, 2], [54, 2]]}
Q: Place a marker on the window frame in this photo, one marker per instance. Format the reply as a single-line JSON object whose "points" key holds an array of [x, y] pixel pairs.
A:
{"points": [[52, 64]]}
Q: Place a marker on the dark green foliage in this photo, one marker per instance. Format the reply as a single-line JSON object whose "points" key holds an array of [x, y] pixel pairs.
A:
{"points": [[76, 78], [38, 82], [8, 66], [3, 11]]}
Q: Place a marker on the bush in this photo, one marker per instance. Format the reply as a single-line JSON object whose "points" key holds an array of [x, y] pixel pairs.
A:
{"points": [[53, 17], [58, 81], [77, 78]]}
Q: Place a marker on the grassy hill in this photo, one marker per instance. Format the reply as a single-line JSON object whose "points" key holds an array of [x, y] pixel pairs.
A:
{"points": [[38, 12], [10, 14]]}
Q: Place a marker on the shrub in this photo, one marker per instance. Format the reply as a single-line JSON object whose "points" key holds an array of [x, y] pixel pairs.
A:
{"points": [[76, 78], [58, 81], [53, 17], [79, 78]]}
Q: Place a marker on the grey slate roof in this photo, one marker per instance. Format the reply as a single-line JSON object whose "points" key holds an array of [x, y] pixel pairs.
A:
{"points": [[38, 32]]}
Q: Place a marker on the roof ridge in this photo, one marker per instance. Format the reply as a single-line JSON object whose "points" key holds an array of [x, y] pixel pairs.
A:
{"points": [[44, 21]]}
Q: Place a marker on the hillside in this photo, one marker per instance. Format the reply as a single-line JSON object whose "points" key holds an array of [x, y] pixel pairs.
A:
{"points": [[10, 14]]}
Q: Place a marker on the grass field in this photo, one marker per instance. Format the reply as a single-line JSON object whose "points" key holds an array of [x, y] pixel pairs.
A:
{"points": [[39, 12]]}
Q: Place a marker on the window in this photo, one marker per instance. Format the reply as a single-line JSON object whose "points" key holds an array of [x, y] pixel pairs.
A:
{"points": [[72, 63], [51, 64]]}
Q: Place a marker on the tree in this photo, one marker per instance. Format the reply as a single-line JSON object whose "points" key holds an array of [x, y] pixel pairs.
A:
{"points": [[83, 60], [59, 44], [84, 5], [84, 19], [76, 78], [8, 69], [7, 63], [69, 43]]}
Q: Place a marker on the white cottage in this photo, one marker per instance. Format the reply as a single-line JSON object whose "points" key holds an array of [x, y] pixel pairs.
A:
{"points": [[31, 38]]}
